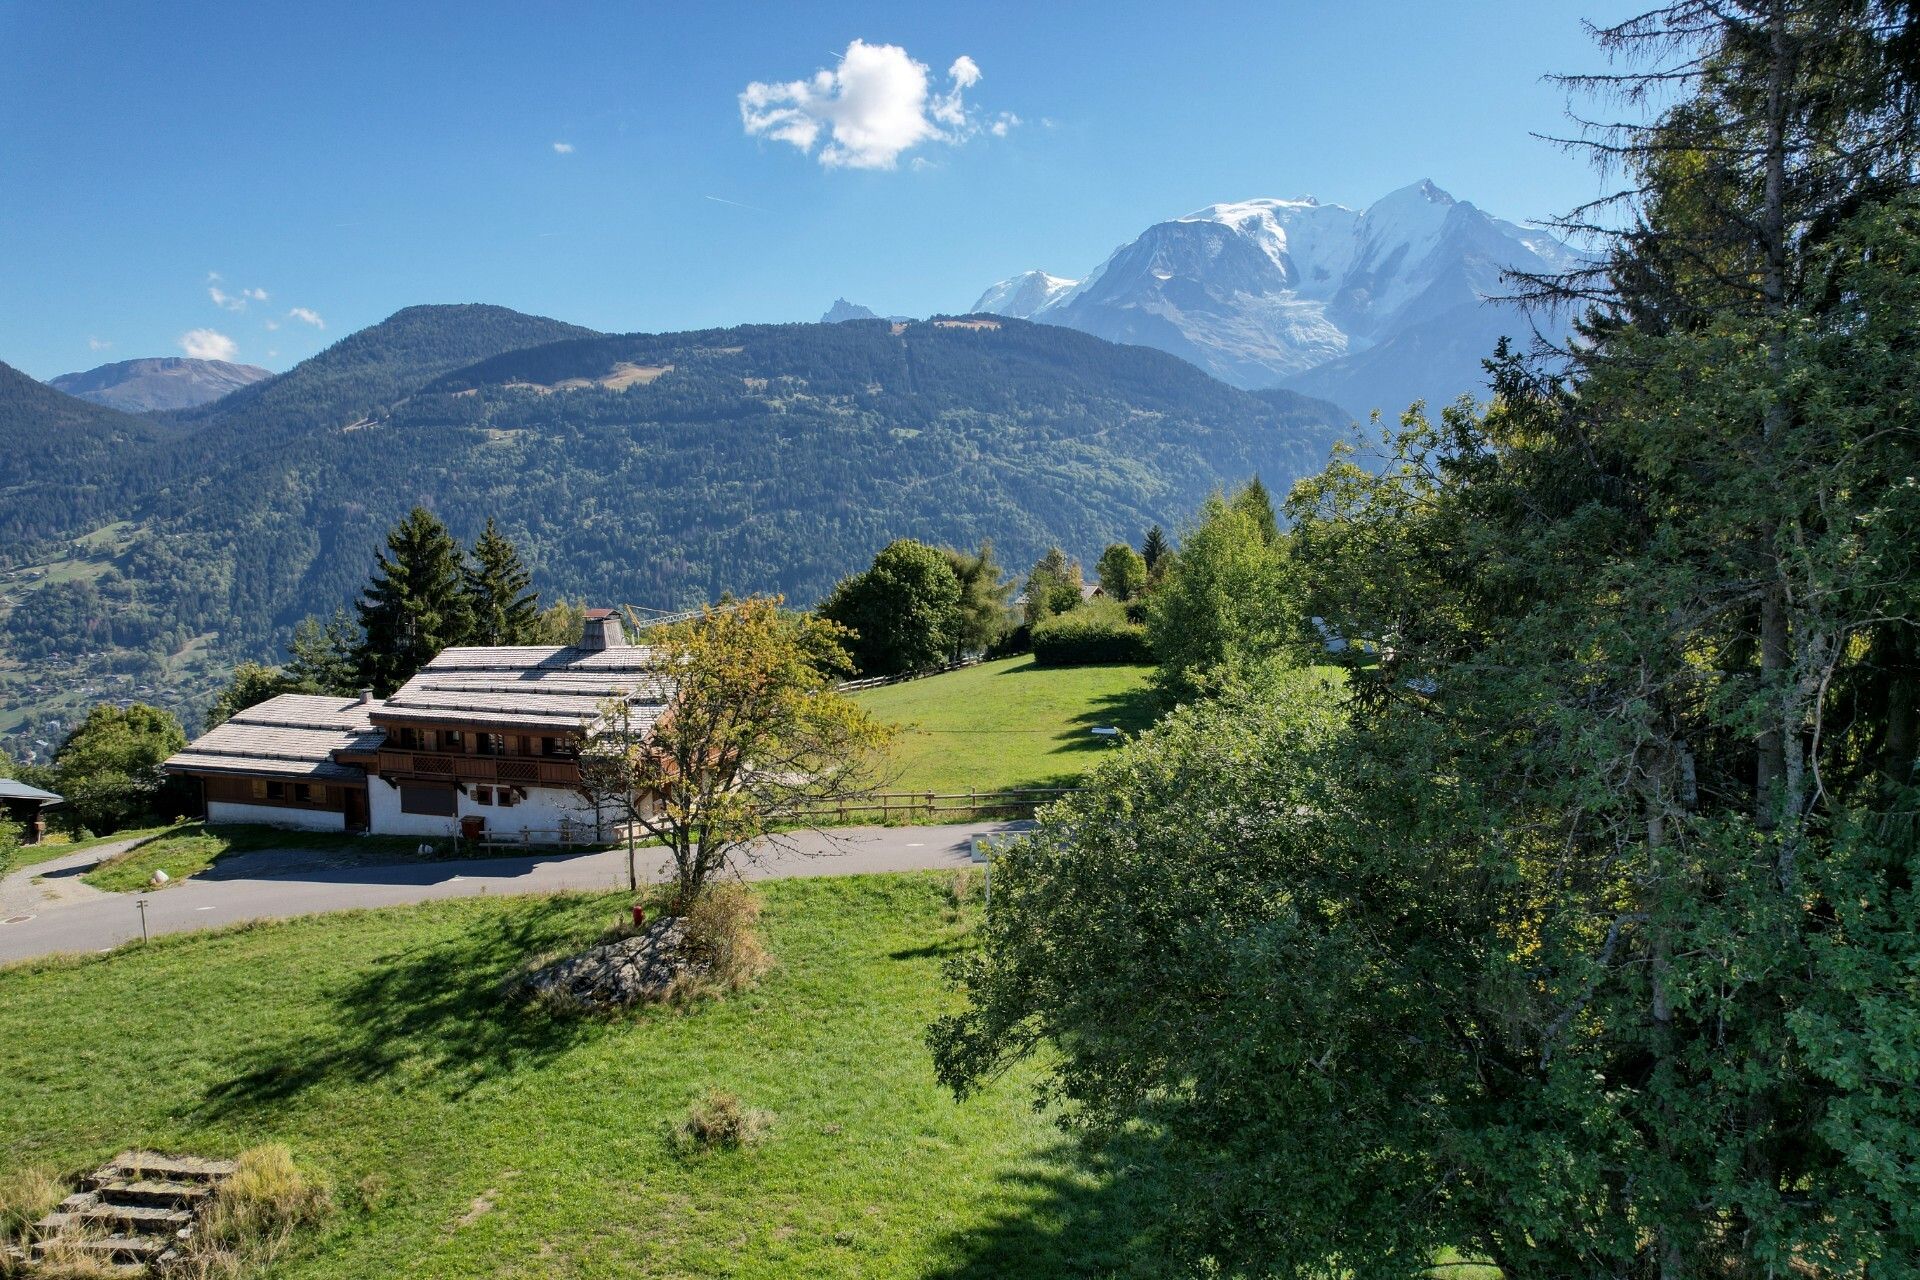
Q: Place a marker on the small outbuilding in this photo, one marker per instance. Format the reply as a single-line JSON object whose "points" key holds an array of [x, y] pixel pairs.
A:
{"points": [[27, 806]]}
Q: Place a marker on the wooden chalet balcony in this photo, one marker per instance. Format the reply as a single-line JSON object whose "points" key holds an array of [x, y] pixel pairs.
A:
{"points": [[521, 771]]}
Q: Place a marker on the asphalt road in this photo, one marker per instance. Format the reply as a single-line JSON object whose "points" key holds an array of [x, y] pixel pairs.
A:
{"points": [[47, 920]]}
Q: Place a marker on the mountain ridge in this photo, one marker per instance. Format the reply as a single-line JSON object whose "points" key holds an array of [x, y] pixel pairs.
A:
{"points": [[1295, 292], [151, 383]]}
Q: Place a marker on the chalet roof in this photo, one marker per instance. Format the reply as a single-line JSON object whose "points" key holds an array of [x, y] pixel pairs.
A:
{"points": [[292, 736], [528, 688], [14, 789]]}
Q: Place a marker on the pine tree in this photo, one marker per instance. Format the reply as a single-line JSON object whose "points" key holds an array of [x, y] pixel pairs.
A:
{"points": [[1155, 549], [506, 610], [416, 605], [323, 656]]}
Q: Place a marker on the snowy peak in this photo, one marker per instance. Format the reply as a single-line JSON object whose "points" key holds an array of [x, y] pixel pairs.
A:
{"points": [[1261, 291], [1024, 295]]}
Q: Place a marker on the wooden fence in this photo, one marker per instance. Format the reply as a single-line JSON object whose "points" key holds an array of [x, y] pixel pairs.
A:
{"points": [[886, 806], [875, 682]]}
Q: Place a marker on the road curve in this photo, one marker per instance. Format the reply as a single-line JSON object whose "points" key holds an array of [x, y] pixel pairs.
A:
{"points": [[101, 922]]}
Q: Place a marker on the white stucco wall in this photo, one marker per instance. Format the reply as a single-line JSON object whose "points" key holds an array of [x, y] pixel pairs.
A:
{"points": [[273, 815], [541, 812]]}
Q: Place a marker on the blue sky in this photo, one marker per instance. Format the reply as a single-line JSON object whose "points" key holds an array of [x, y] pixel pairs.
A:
{"points": [[346, 160]]}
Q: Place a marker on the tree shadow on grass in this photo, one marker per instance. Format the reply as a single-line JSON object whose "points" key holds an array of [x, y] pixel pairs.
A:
{"points": [[1069, 1212], [1129, 710], [438, 1014]]}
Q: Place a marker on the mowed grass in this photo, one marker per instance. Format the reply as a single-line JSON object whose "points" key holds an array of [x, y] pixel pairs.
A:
{"points": [[1007, 724], [467, 1136]]}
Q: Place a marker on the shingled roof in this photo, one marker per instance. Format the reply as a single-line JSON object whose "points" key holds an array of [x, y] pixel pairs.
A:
{"points": [[293, 736], [526, 688]]}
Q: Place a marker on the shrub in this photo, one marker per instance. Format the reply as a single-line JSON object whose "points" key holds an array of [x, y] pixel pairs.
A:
{"points": [[25, 1198], [1097, 632], [721, 939], [717, 1121], [252, 1217]]}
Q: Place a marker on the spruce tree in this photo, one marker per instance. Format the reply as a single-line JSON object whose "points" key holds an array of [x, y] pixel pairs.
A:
{"points": [[1257, 504], [323, 657], [1155, 549], [416, 604], [506, 610]]}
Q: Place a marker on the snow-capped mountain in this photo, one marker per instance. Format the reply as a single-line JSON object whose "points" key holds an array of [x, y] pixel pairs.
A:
{"points": [[1023, 296], [1360, 306]]}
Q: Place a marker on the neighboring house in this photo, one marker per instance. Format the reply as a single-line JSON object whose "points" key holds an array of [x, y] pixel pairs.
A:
{"points": [[482, 739], [25, 805]]}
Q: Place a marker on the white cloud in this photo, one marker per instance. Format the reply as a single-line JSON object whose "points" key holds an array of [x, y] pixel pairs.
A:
{"points": [[221, 298], [878, 105], [258, 295], [563, 148], [208, 344], [306, 315], [272, 325], [97, 344]]}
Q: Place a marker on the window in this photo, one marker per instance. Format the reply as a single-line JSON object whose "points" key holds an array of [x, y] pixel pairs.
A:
{"points": [[276, 791], [483, 795], [303, 793], [507, 797], [409, 737], [437, 801], [556, 746], [491, 744], [452, 740]]}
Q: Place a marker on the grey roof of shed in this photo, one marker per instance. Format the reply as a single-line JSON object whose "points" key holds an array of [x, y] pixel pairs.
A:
{"points": [[293, 735], [14, 789], [529, 688]]}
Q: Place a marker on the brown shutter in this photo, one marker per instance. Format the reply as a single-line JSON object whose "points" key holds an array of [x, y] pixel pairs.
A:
{"points": [[259, 788]]}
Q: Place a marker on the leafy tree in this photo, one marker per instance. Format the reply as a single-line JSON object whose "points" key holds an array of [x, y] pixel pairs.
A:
{"points": [[1053, 586], [12, 841], [1582, 942], [505, 608], [904, 613], [985, 615], [1256, 504], [1226, 600], [756, 735], [1154, 548], [108, 768], [560, 623], [415, 606], [1123, 572]]}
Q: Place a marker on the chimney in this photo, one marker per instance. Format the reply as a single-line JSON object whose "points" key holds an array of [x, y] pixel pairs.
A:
{"points": [[366, 697], [603, 630]]}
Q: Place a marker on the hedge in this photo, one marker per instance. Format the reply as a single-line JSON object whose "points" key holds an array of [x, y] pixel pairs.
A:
{"points": [[1096, 632]]}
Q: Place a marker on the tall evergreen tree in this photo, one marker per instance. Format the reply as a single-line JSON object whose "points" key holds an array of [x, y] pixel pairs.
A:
{"points": [[323, 656], [1154, 548], [506, 609], [416, 605]]}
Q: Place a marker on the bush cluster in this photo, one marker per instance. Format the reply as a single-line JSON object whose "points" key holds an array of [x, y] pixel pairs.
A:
{"points": [[1096, 632]]}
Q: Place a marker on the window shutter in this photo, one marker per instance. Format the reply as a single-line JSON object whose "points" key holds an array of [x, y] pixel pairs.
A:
{"points": [[259, 789]]}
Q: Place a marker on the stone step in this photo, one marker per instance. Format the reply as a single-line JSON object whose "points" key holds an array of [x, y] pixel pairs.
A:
{"points": [[133, 1166], [139, 1249], [153, 1192], [135, 1219]]}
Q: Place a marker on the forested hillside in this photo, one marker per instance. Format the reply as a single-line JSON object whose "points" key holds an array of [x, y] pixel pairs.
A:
{"points": [[653, 469]]}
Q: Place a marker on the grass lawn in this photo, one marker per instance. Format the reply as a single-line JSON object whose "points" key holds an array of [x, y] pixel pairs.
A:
{"points": [[466, 1136], [1007, 724], [192, 847], [59, 847]]}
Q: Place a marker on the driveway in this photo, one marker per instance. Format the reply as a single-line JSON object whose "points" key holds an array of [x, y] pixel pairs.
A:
{"points": [[302, 885]]}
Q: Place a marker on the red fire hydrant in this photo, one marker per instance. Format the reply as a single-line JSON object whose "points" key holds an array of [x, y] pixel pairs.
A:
{"points": [[639, 916]]}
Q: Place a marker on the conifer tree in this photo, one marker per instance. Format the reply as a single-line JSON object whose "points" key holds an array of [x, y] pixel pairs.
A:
{"points": [[416, 605], [506, 609], [1257, 504], [1155, 549], [323, 656]]}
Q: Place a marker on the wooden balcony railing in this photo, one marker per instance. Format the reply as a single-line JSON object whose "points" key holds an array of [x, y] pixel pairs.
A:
{"points": [[524, 771]]}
